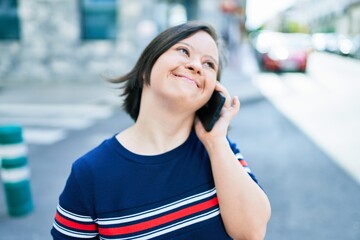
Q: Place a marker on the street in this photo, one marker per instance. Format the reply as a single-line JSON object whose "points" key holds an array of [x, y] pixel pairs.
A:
{"points": [[324, 103], [298, 132]]}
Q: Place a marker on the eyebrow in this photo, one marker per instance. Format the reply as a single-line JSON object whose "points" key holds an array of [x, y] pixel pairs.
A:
{"points": [[190, 46]]}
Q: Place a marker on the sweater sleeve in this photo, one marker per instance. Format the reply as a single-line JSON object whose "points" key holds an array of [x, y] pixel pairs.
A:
{"points": [[241, 159], [73, 218]]}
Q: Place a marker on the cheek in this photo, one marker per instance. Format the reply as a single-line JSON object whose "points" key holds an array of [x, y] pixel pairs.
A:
{"points": [[161, 66], [209, 88], [155, 71], [210, 82]]}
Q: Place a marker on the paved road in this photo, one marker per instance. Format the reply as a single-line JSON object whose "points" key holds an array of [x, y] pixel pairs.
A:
{"points": [[324, 103], [311, 196]]}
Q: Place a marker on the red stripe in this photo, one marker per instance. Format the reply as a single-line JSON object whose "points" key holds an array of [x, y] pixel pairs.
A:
{"points": [[71, 224], [243, 163], [160, 220]]}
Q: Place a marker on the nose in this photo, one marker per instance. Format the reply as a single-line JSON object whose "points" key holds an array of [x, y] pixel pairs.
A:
{"points": [[194, 65]]}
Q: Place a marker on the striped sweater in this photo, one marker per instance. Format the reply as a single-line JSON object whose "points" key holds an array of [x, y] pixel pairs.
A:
{"points": [[112, 193]]}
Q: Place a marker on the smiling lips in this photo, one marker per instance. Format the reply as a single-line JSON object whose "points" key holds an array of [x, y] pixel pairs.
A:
{"points": [[192, 80]]}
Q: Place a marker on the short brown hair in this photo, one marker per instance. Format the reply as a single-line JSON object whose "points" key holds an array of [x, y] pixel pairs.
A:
{"points": [[134, 80]]}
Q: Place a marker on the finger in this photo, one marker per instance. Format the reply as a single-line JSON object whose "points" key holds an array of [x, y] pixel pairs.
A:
{"points": [[236, 104]]}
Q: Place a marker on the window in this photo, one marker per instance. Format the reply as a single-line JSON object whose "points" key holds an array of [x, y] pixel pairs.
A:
{"points": [[9, 20], [98, 19]]}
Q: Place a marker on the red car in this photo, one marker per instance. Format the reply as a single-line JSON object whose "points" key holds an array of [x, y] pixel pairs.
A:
{"points": [[283, 51]]}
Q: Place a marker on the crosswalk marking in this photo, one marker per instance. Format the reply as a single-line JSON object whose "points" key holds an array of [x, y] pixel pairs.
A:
{"points": [[55, 121], [43, 136], [83, 110], [46, 124]]}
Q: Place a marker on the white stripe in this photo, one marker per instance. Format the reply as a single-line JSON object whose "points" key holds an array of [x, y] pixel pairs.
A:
{"points": [[175, 226], [241, 157], [53, 121], [156, 211], [70, 233], [13, 150], [43, 136], [73, 216], [183, 224], [44, 110], [247, 169], [15, 175]]}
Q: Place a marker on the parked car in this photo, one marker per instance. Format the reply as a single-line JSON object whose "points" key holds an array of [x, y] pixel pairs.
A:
{"points": [[334, 43], [320, 41], [282, 51], [356, 47]]}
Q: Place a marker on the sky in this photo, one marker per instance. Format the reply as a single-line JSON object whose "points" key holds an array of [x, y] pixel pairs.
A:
{"points": [[258, 11]]}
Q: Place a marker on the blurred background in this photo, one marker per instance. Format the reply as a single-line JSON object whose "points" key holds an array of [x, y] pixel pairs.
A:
{"points": [[295, 65]]}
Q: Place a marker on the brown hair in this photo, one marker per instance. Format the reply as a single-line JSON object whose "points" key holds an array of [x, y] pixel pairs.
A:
{"points": [[134, 80]]}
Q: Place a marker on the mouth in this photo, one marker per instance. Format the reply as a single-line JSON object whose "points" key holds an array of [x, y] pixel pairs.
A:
{"points": [[187, 78]]}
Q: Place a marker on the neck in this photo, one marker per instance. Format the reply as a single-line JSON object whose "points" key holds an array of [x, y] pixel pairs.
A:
{"points": [[163, 134], [157, 130]]}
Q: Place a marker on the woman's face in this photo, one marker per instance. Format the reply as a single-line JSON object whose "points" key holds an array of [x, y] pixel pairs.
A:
{"points": [[187, 71]]}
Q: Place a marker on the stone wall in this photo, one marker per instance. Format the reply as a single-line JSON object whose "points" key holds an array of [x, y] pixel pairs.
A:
{"points": [[51, 49]]}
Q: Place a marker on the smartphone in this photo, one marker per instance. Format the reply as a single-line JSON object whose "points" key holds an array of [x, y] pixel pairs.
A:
{"points": [[210, 112]]}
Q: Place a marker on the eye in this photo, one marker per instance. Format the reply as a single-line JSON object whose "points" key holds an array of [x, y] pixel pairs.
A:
{"points": [[183, 50], [210, 65]]}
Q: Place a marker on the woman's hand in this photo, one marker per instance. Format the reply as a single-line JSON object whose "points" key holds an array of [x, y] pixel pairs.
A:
{"points": [[228, 112], [245, 209]]}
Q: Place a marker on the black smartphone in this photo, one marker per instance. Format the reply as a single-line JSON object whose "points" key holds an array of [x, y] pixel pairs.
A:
{"points": [[210, 112]]}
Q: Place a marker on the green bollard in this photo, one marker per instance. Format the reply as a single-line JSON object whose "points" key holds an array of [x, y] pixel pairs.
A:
{"points": [[15, 172]]}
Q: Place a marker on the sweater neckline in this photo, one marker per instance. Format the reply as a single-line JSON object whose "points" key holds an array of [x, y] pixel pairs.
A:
{"points": [[152, 159]]}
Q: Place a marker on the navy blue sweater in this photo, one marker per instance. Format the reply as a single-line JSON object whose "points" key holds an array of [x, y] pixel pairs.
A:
{"points": [[113, 193]]}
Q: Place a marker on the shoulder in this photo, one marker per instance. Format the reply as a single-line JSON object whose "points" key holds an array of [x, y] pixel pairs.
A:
{"points": [[90, 167], [95, 157]]}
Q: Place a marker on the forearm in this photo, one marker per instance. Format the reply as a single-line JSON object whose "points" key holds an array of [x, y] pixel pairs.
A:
{"points": [[244, 207]]}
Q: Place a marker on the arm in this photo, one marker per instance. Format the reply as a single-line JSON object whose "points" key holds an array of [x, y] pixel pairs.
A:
{"points": [[244, 207]]}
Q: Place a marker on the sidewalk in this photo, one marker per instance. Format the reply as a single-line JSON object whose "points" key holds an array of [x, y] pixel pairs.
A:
{"points": [[237, 76]]}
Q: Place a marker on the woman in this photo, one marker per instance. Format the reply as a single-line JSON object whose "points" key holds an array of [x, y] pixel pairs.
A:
{"points": [[165, 176]]}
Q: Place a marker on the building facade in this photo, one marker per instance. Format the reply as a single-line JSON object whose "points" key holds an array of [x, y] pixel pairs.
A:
{"points": [[326, 16], [46, 41]]}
